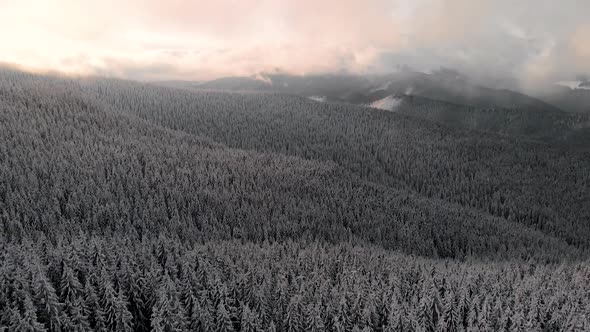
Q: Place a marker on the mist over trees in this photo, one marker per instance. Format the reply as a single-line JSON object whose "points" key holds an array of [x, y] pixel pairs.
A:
{"points": [[132, 207]]}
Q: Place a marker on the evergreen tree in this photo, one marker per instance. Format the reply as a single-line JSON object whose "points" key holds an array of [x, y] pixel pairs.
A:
{"points": [[223, 320], [314, 321], [27, 322], [75, 319], [95, 313], [47, 303], [249, 322], [293, 320]]}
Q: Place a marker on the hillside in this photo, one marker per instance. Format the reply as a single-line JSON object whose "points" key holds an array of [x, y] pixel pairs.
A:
{"points": [[499, 175], [574, 100], [553, 127], [465, 103], [132, 207], [444, 85], [92, 165]]}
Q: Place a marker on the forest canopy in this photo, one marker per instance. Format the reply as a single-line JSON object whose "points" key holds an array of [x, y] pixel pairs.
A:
{"points": [[129, 207]]}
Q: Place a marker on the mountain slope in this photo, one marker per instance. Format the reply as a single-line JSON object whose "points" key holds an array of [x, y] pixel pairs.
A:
{"points": [[574, 100], [535, 184], [495, 110], [231, 84], [554, 127], [82, 164], [444, 85], [129, 207]]}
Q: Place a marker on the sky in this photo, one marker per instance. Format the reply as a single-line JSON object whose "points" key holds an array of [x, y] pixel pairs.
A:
{"points": [[529, 40]]}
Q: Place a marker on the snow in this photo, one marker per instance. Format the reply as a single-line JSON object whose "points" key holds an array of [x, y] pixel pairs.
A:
{"points": [[388, 103]]}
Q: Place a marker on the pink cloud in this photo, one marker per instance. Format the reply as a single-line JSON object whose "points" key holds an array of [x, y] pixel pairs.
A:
{"points": [[204, 39]]}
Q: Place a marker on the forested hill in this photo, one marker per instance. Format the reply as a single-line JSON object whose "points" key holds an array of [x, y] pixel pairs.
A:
{"points": [[112, 157], [445, 85], [132, 207], [445, 96], [534, 184], [550, 126]]}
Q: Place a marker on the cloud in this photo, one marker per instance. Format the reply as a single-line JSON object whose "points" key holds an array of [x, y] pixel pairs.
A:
{"points": [[198, 39], [580, 44], [514, 30]]}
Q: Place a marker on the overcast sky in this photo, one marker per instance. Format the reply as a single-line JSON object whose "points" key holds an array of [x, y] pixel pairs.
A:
{"points": [[533, 40]]}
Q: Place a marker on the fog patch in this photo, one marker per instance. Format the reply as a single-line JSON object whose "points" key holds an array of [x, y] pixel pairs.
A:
{"points": [[388, 103], [574, 85], [321, 99]]}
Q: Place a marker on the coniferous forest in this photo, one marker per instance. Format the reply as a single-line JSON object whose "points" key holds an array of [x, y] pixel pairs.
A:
{"points": [[127, 206]]}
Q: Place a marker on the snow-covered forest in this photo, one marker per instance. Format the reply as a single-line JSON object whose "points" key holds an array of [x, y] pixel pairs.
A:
{"points": [[132, 207]]}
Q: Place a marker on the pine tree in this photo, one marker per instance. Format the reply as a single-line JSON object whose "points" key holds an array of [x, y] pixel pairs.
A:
{"points": [[451, 319], [314, 321], [471, 320], [75, 319], [341, 316], [483, 318], [118, 317], [69, 286], [424, 314], [272, 327], [249, 322], [394, 320], [140, 301], [96, 316], [223, 319], [293, 320], [28, 321], [124, 317], [168, 314], [518, 320], [367, 315], [47, 303], [12, 319], [202, 317], [262, 305]]}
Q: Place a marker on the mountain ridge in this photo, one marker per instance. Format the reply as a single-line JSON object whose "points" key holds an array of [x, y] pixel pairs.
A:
{"points": [[467, 104]]}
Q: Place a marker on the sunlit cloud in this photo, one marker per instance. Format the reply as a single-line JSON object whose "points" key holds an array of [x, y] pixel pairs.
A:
{"points": [[182, 39]]}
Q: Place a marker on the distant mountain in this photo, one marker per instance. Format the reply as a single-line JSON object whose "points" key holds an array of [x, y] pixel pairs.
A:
{"points": [[445, 85], [452, 87], [236, 84], [180, 84], [573, 97], [555, 127], [445, 96]]}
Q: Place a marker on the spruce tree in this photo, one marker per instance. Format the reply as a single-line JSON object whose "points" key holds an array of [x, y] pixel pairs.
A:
{"points": [[47, 303]]}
